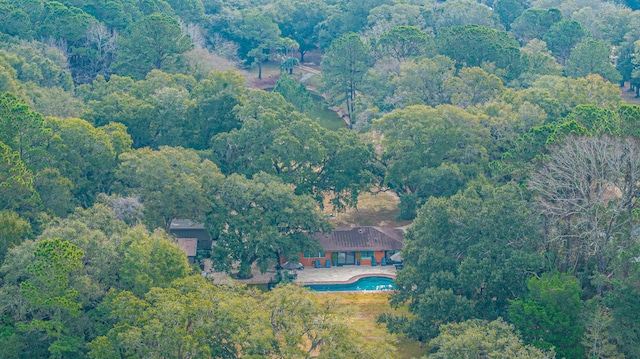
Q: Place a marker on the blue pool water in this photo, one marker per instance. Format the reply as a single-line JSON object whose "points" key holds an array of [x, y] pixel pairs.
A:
{"points": [[366, 283]]}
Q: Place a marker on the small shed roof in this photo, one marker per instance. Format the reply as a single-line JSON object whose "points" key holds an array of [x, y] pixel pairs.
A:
{"points": [[361, 239], [189, 245], [185, 224]]}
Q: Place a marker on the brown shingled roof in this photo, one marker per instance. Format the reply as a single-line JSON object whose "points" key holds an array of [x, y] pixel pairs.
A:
{"points": [[189, 245], [361, 239]]}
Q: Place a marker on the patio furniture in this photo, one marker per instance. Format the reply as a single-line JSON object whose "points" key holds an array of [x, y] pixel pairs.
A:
{"points": [[397, 257], [399, 266], [317, 263], [373, 262], [384, 262], [292, 265], [327, 264]]}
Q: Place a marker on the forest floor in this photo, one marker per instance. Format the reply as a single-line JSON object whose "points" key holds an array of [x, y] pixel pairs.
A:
{"points": [[629, 96], [378, 210], [364, 309]]}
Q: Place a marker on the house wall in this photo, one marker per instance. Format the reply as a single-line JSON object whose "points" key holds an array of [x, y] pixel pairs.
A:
{"points": [[311, 262]]}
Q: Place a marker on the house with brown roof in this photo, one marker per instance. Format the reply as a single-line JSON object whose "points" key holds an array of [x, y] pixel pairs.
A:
{"points": [[357, 245], [192, 237]]}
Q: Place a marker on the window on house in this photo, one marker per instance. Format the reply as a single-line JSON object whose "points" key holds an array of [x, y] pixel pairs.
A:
{"points": [[314, 255], [366, 254]]}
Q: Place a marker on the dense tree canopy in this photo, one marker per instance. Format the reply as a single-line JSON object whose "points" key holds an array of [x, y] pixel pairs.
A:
{"points": [[499, 124]]}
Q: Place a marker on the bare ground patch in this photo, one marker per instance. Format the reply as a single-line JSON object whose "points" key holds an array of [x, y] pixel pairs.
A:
{"points": [[378, 210]]}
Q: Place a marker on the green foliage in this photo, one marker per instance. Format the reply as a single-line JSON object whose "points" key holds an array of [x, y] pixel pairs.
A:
{"points": [[58, 21], [53, 101], [171, 183], [473, 45], [344, 65], [35, 62], [302, 325], [418, 140], [55, 260], [195, 317], [191, 317], [281, 142], [422, 81], [153, 42], [216, 96], [597, 340], [465, 12], [534, 23], [467, 254], [295, 93], [562, 37], [13, 230], [488, 252], [16, 181], [585, 120], [165, 109], [508, 11], [150, 260], [473, 86], [83, 154], [15, 21], [624, 302], [299, 19], [481, 339], [261, 35], [385, 17], [48, 289], [24, 131], [55, 192], [266, 221], [558, 96], [540, 61], [188, 10], [592, 57], [549, 314], [403, 42]]}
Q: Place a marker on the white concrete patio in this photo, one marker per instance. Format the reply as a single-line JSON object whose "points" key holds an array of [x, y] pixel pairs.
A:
{"points": [[310, 275], [345, 274]]}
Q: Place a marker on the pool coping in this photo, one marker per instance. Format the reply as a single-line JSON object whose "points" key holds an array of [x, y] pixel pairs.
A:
{"points": [[350, 280]]}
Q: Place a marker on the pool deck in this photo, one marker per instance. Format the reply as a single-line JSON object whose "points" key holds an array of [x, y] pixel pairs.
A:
{"points": [[310, 275], [342, 275]]}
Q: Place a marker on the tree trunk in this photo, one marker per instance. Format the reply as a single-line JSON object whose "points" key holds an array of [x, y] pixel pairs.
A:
{"points": [[352, 108], [244, 270], [259, 70], [302, 52], [348, 101]]}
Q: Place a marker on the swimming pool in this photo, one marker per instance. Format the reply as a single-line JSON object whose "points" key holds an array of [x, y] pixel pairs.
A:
{"points": [[366, 283]]}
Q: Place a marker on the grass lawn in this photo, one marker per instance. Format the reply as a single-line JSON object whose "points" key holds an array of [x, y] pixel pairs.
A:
{"points": [[365, 308], [314, 82], [373, 210]]}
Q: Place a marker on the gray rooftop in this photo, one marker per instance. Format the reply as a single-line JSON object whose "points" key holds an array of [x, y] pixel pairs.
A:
{"points": [[185, 224]]}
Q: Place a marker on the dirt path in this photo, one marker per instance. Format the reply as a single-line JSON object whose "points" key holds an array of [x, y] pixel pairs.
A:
{"points": [[309, 69]]}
